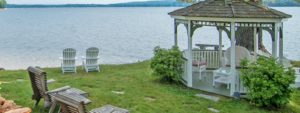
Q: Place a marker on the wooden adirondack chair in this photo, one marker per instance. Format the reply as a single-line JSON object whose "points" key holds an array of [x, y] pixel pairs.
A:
{"points": [[90, 61], [39, 85], [68, 60], [72, 103]]}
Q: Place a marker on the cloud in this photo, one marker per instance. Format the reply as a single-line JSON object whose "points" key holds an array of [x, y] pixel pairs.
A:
{"points": [[68, 1]]}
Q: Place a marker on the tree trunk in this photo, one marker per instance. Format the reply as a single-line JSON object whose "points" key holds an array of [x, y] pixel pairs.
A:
{"points": [[245, 38]]}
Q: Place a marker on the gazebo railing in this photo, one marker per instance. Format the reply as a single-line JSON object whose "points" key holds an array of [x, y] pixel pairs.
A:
{"points": [[184, 69], [211, 57]]}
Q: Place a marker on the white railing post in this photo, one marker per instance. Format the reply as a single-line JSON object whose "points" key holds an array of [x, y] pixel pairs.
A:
{"points": [[220, 47], [255, 42]]}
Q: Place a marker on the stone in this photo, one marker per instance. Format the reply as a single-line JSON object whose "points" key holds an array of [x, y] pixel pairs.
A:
{"points": [[213, 110], [209, 97], [8, 104], [2, 100], [118, 92], [1, 82], [20, 80], [19, 110], [109, 109], [150, 99]]}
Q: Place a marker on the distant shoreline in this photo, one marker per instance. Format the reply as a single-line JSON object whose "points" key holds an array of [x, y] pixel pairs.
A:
{"points": [[62, 6], [163, 3]]}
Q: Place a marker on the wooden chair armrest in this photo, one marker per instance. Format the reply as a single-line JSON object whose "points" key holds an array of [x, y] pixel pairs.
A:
{"points": [[58, 89]]}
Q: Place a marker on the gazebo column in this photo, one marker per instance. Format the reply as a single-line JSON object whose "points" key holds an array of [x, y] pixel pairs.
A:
{"points": [[255, 42], [220, 47], [275, 41], [232, 58], [190, 56], [175, 33], [281, 43]]}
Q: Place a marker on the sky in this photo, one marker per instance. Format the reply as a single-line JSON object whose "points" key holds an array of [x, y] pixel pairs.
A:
{"points": [[68, 1]]}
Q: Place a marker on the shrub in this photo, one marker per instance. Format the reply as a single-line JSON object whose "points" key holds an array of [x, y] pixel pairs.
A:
{"points": [[167, 63], [268, 82]]}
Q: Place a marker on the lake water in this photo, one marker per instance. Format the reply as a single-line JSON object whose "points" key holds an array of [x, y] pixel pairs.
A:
{"points": [[36, 37]]}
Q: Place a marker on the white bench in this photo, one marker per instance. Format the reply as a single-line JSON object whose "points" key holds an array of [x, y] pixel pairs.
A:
{"points": [[222, 76]]}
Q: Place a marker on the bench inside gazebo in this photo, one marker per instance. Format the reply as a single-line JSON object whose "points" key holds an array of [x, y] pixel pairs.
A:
{"points": [[214, 69]]}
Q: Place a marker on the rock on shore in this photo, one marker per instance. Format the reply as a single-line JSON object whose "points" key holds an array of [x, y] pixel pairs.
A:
{"points": [[9, 106]]}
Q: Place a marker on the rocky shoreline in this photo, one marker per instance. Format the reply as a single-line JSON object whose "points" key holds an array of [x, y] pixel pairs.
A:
{"points": [[9, 106]]}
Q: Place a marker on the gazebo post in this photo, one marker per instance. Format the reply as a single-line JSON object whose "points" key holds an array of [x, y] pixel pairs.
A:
{"points": [[220, 46], [190, 56], [275, 41], [255, 42], [175, 33], [232, 58], [281, 43]]}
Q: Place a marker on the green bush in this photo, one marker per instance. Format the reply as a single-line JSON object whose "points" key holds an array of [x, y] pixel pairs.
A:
{"points": [[2, 3], [167, 63], [268, 82]]}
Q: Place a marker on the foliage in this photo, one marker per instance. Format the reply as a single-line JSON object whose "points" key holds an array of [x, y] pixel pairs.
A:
{"points": [[2, 3], [167, 63], [268, 82]]}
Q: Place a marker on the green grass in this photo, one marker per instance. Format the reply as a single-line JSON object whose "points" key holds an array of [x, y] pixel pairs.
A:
{"points": [[137, 83]]}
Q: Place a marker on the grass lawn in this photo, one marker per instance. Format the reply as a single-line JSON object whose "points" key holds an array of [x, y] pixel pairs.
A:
{"points": [[137, 83]]}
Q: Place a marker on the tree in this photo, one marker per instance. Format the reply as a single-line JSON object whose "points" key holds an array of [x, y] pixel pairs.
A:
{"points": [[2, 3]]}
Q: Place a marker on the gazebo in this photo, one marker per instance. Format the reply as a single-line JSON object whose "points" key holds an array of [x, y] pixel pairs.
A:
{"points": [[228, 16]]}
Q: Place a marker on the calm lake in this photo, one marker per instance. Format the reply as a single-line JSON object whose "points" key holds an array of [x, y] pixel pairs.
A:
{"points": [[36, 37]]}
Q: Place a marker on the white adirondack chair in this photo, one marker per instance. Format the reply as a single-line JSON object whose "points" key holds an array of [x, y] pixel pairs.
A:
{"points": [[90, 61], [223, 75], [68, 60]]}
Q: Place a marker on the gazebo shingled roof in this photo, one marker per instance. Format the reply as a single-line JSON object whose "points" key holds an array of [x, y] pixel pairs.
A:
{"points": [[237, 9]]}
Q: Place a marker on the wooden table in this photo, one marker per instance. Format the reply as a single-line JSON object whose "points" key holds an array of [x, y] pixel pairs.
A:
{"points": [[204, 46]]}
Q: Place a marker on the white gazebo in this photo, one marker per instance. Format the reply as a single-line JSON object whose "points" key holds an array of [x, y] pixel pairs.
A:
{"points": [[227, 16]]}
